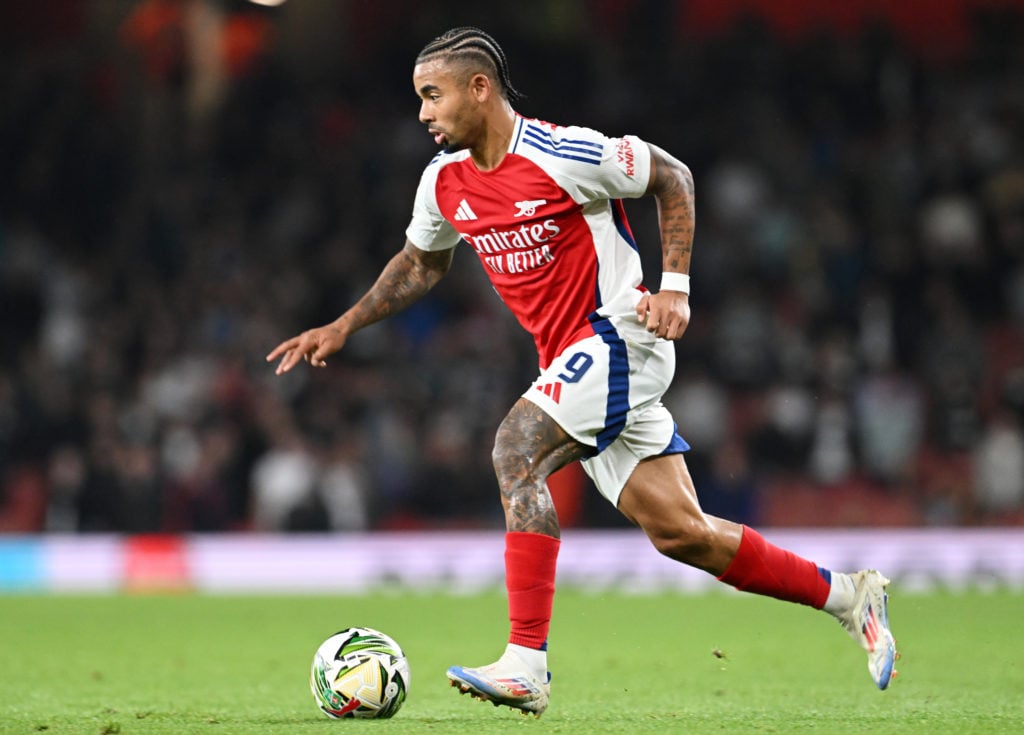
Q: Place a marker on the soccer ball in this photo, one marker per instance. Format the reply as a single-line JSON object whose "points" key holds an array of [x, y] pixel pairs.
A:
{"points": [[360, 673]]}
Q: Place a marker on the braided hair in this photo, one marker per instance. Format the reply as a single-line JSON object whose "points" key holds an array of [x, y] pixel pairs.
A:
{"points": [[468, 43]]}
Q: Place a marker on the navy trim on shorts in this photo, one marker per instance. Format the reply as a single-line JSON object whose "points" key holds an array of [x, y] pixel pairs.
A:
{"points": [[618, 382], [677, 445]]}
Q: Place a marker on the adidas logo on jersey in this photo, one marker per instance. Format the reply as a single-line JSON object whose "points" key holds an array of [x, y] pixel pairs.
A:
{"points": [[464, 212]]}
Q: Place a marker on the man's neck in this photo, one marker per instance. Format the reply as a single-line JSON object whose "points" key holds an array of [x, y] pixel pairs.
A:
{"points": [[491, 149]]}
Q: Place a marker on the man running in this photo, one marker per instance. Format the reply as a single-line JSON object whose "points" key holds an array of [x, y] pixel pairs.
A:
{"points": [[540, 204]]}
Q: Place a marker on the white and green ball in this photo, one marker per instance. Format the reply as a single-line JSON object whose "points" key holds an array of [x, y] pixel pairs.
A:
{"points": [[359, 673]]}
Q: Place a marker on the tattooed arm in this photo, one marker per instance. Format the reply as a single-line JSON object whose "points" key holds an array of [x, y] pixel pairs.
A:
{"points": [[406, 277], [668, 312]]}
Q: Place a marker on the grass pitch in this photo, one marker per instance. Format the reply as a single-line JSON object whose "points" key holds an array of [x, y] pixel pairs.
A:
{"points": [[718, 663]]}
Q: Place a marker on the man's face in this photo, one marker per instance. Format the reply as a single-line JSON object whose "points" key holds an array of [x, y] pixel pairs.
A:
{"points": [[448, 105]]}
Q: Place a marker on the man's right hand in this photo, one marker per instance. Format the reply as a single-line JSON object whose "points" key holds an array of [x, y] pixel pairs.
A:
{"points": [[313, 346]]}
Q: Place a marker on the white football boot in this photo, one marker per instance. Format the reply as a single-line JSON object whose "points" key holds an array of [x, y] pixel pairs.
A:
{"points": [[508, 681], [867, 621]]}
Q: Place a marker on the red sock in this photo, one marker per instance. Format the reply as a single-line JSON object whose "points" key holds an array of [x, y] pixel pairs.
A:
{"points": [[530, 560], [764, 569]]}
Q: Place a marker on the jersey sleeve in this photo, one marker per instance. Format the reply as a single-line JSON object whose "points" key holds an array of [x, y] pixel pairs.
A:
{"points": [[428, 229], [624, 170], [627, 166]]}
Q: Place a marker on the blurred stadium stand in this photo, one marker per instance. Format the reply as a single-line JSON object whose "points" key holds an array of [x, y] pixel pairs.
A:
{"points": [[187, 182]]}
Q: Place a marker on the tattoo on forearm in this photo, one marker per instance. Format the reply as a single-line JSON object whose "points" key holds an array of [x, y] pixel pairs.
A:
{"points": [[404, 280], [673, 187], [529, 446]]}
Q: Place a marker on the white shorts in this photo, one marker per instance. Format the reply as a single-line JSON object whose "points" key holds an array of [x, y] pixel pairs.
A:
{"points": [[605, 391]]}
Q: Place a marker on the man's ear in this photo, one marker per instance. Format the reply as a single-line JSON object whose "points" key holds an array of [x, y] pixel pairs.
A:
{"points": [[480, 87]]}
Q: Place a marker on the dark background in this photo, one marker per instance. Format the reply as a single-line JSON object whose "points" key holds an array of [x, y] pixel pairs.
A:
{"points": [[186, 183]]}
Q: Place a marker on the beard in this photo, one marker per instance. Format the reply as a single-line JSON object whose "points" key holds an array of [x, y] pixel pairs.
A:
{"points": [[451, 146]]}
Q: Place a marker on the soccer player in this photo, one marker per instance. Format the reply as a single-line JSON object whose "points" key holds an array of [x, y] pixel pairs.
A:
{"points": [[540, 204]]}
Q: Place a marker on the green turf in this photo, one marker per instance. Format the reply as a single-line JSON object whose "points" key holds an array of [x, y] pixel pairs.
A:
{"points": [[221, 665]]}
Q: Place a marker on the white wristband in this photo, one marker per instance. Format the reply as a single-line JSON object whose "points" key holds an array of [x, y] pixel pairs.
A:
{"points": [[675, 282]]}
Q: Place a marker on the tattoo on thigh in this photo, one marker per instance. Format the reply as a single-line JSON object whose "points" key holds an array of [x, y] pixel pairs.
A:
{"points": [[530, 445]]}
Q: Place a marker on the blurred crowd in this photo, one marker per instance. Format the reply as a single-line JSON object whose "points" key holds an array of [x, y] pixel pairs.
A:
{"points": [[188, 182]]}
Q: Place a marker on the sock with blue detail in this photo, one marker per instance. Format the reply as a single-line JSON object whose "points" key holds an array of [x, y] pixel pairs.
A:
{"points": [[765, 569]]}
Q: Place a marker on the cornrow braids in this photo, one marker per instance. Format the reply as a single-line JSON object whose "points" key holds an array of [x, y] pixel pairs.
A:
{"points": [[466, 42]]}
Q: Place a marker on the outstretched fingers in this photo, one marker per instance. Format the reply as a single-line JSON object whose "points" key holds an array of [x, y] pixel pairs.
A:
{"points": [[291, 351]]}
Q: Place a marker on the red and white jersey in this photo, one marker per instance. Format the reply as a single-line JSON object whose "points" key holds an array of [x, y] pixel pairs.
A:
{"points": [[547, 224]]}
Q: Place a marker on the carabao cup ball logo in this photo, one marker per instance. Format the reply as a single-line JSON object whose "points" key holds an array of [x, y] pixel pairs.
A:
{"points": [[359, 673]]}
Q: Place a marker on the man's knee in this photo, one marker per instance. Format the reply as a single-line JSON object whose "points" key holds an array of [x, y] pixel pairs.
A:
{"points": [[689, 539]]}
